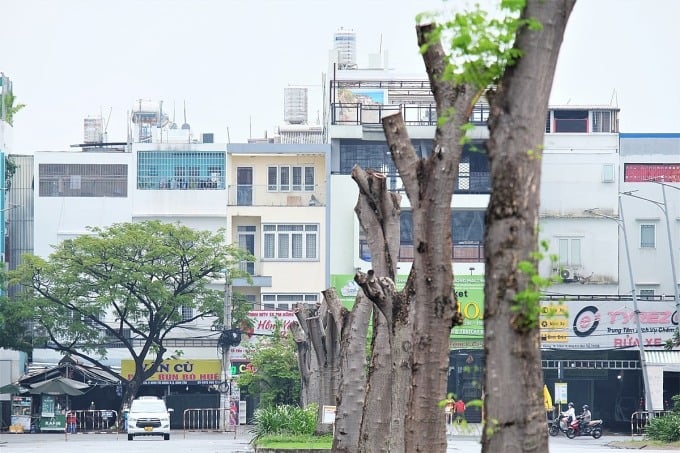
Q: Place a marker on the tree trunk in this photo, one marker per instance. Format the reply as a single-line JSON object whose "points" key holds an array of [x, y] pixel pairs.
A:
{"points": [[514, 412], [378, 212]]}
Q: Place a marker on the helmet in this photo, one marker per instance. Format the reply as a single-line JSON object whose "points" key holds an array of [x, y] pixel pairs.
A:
{"points": [[571, 404], [585, 407]]}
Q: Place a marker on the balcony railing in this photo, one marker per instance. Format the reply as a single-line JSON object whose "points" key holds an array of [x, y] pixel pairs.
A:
{"points": [[265, 195], [460, 253], [355, 114]]}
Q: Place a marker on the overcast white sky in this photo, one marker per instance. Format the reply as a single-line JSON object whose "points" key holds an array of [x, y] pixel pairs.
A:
{"points": [[230, 60]]}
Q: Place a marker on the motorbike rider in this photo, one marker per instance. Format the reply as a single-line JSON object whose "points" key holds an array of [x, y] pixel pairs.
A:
{"points": [[585, 417], [569, 414]]}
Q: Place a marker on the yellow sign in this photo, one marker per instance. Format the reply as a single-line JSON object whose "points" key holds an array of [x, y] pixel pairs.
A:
{"points": [[554, 323], [554, 337], [197, 371], [555, 310]]}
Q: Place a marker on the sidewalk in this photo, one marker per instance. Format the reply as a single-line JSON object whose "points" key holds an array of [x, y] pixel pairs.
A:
{"points": [[463, 430]]}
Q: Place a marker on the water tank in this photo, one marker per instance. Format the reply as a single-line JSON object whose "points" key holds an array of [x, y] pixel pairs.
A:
{"points": [[295, 105], [345, 47], [93, 132]]}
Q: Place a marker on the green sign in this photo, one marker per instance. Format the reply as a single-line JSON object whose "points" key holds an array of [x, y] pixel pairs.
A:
{"points": [[56, 423], [469, 290]]}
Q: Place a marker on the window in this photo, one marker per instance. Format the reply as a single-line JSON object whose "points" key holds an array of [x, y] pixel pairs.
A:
{"points": [[647, 294], [82, 180], [286, 178], [571, 120], [188, 170], [298, 242], [569, 250], [187, 313], [608, 173], [647, 236], [287, 301], [602, 121]]}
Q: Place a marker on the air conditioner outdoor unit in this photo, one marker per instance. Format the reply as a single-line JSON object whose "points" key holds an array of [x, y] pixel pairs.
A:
{"points": [[567, 274]]}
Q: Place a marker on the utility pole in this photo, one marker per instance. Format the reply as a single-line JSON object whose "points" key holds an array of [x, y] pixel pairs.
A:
{"points": [[225, 387]]}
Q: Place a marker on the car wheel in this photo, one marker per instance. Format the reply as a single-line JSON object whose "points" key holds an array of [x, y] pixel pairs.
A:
{"points": [[166, 436], [131, 436], [554, 430], [597, 433], [571, 433]]}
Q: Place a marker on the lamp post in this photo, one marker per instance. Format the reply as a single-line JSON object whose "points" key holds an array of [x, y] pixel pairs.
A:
{"points": [[643, 360]]}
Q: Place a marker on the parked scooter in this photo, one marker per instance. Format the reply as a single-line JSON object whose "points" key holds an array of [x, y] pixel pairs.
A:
{"points": [[557, 425], [592, 428]]}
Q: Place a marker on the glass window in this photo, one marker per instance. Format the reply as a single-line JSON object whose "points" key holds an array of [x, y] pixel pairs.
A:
{"points": [[647, 236], [287, 301], [309, 179], [297, 178], [272, 178], [187, 313], [290, 241], [284, 179], [569, 252]]}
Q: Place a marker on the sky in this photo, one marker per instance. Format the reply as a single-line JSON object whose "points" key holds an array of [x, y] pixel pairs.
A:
{"points": [[227, 62]]}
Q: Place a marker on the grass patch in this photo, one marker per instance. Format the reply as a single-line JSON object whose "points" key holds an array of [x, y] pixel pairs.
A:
{"points": [[644, 443], [291, 442]]}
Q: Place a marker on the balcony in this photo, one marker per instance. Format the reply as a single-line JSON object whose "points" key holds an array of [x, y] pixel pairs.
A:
{"points": [[468, 252], [355, 114], [262, 195]]}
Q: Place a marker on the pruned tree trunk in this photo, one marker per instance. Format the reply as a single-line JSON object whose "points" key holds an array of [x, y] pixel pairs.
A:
{"points": [[317, 335], [378, 211], [514, 412]]}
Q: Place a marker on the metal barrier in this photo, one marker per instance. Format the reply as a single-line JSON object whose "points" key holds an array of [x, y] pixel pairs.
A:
{"points": [[93, 421], [640, 419], [208, 419]]}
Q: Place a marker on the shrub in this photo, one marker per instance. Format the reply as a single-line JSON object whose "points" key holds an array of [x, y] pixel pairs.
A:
{"points": [[665, 428], [285, 420]]}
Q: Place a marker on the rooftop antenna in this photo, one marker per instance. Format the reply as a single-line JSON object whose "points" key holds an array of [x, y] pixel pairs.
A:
{"points": [[614, 100], [250, 127], [106, 127], [185, 126], [228, 139]]}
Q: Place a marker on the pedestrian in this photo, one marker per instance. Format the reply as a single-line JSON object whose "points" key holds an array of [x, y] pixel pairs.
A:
{"points": [[71, 422], [459, 410]]}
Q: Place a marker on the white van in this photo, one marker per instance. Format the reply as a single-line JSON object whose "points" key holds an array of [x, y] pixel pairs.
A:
{"points": [[148, 416]]}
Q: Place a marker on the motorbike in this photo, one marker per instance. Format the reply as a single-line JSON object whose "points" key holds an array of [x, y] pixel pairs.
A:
{"points": [[592, 428], [557, 425]]}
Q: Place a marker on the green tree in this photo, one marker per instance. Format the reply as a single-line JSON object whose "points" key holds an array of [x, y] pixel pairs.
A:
{"points": [[276, 377], [14, 318], [10, 107], [128, 277]]}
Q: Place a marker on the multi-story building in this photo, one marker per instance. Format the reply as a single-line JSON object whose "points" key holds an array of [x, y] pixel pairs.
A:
{"points": [[582, 175], [269, 197]]}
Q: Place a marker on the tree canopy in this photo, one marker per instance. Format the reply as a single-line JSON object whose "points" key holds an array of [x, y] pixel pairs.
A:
{"points": [[132, 283]]}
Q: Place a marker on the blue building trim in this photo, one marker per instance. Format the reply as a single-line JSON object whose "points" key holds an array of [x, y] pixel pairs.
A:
{"points": [[649, 135]]}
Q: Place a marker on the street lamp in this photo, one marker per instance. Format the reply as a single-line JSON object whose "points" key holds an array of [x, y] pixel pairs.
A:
{"points": [[664, 208], [643, 360]]}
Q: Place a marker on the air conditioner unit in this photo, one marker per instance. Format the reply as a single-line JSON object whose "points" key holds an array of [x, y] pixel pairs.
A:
{"points": [[567, 274]]}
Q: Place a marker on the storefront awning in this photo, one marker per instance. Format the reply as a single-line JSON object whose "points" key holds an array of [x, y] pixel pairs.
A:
{"points": [[670, 360]]}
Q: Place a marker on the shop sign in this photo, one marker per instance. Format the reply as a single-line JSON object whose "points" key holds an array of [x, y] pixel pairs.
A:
{"points": [[611, 325], [197, 371], [469, 291]]}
